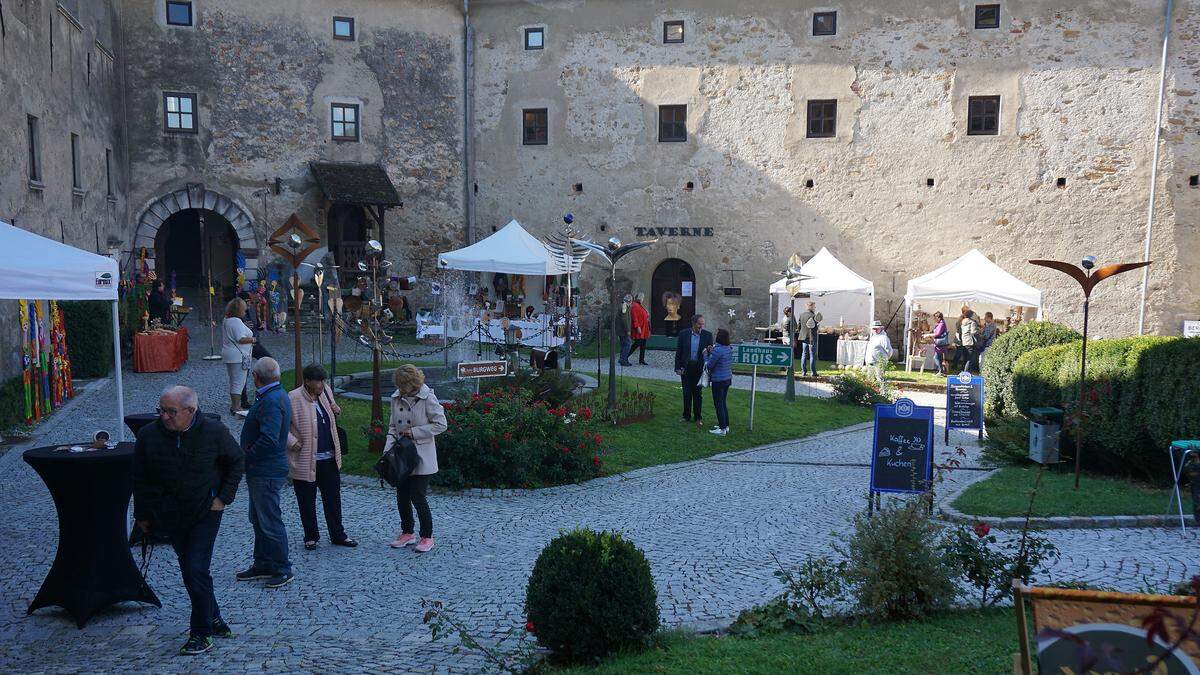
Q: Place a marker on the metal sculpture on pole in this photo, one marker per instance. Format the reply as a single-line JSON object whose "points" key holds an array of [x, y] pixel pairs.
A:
{"points": [[1087, 278], [373, 334], [206, 258], [294, 241], [794, 275], [570, 256], [612, 253]]}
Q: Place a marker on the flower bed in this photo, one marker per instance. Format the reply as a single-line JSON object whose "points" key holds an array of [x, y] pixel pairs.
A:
{"points": [[504, 439]]}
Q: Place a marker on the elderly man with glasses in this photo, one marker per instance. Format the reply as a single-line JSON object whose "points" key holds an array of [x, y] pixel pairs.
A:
{"points": [[186, 470]]}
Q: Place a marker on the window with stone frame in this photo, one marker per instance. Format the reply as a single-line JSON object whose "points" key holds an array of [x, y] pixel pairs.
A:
{"points": [[824, 23], [179, 112], [535, 38], [76, 166], [987, 16], [343, 28], [822, 119], [673, 32], [33, 126], [672, 123], [344, 121], [534, 126], [179, 13], [983, 116]]}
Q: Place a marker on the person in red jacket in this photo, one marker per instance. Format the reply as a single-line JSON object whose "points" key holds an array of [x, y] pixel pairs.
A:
{"points": [[640, 327]]}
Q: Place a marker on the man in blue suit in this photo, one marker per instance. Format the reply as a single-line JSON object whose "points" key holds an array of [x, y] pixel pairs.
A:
{"points": [[264, 440], [689, 364]]}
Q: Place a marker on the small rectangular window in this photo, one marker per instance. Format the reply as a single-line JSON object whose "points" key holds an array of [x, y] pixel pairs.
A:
{"points": [[673, 32], [535, 38], [534, 123], [76, 173], [987, 16], [672, 123], [108, 190], [343, 27], [344, 117], [822, 119], [825, 23], [179, 13], [983, 116], [179, 112], [35, 154]]}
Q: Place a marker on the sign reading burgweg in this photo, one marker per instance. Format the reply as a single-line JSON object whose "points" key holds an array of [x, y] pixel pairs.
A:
{"points": [[473, 369], [759, 354]]}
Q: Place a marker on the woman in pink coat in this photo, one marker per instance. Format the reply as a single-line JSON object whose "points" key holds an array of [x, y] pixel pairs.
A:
{"points": [[315, 457]]}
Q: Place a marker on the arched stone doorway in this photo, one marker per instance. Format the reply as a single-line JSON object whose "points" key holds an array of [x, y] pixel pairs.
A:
{"points": [[674, 276], [184, 239], [225, 217]]}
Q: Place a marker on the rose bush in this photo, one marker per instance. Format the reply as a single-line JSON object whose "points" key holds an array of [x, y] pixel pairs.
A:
{"points": [[505, 439]]}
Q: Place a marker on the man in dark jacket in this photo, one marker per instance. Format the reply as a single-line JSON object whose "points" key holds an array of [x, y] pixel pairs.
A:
{"points": [[264, 440], [808, 325], [689, 364], [186, 470]]}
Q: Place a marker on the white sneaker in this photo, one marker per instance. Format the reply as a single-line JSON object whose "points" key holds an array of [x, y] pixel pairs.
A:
{"points": [[718, 432]]}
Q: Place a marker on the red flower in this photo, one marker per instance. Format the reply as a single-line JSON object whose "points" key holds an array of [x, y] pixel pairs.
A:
{"points": [[529, 626], [982, 529], [487, 407], [508, 436], [586, 413], [495, 445], [474, 397], [565, 450], [596, 461]]}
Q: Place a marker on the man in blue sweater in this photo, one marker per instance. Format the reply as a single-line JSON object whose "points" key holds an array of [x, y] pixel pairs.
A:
{"points": [[264, 440]]}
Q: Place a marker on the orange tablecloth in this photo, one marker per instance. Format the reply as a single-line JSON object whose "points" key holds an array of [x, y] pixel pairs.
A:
{"points": [[160, 353]]}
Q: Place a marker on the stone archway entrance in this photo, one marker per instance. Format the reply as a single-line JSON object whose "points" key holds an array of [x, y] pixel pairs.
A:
{"points": [[227, 219], [674, 276], [182, 243]]}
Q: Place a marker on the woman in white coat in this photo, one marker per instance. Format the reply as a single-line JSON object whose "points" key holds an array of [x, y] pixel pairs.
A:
{"points": [[416, 414], [237, 343]]}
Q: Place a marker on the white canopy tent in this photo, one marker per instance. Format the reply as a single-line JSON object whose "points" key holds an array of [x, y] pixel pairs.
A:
{"points": [[512, 250], [840, 293], [36, 268], [972, 279]]}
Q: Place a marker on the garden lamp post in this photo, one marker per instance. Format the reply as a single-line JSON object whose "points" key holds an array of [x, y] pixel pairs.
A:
{"points": [[612, 254], [794, 278], [1087, 277]]}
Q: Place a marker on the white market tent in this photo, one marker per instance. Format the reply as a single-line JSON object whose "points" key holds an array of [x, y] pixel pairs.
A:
{"points": [[33, 267], [840, 293], [972, 279], [512, 250]]}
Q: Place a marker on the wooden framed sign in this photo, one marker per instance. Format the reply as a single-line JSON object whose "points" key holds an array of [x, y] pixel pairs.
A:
{"points": [[902, 448]]}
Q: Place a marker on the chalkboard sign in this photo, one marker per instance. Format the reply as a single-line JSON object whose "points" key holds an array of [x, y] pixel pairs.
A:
{"points": [[964, 403], [902, 448]]}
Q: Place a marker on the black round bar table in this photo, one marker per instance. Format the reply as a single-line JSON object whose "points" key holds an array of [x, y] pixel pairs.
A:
{"points": [[93, 567]]}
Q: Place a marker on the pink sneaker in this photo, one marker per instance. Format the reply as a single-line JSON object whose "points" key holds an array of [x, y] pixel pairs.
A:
{"points": [[425, 545], [404, 540]]}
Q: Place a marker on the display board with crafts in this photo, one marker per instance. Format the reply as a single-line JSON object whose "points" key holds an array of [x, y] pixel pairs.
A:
{"points": [[45, 360]]}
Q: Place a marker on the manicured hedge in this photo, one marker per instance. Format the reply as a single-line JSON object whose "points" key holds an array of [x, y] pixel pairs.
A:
{"points": [[89, 337], [1140, 396], [12, 403], [1000, 358]]}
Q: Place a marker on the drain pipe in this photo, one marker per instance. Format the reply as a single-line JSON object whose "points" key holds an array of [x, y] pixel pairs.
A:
{"points": [[1158, 122], [468, 123]]}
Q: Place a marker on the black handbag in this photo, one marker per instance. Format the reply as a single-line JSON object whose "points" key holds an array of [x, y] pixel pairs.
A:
{"points": [[398, 462], [343, 443]]}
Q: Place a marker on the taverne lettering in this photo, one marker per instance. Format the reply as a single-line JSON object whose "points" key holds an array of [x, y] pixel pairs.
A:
{"points": [[673, 231]]}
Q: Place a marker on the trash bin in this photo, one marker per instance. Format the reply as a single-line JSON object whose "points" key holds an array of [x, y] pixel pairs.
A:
{"points": [[1045, 426]]}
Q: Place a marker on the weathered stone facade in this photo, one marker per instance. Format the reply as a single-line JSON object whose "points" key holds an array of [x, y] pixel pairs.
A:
{"points": [[58, 64], [1078, 83]]}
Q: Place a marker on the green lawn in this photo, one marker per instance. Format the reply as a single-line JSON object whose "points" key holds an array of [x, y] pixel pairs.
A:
{"points": [[1006, 493], [829, 368], [664, 439], [955, 642]]}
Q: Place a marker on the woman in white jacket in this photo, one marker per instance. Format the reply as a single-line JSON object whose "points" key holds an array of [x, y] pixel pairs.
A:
{"points": [[416, 414], [237, 343]]}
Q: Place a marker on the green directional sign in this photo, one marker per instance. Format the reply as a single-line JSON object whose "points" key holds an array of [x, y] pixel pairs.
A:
{"points": [[757, 354]]}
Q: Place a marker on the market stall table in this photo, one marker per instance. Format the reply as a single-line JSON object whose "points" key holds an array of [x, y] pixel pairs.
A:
{"points": [[160, 352], [851, 352], [93, 567], [180, 314]]}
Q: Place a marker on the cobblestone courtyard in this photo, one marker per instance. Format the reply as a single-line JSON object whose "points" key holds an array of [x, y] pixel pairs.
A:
{"points": [[710, 529]]}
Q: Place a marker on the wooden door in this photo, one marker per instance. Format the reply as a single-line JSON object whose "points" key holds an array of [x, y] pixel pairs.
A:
{"points": [[671, 275]]}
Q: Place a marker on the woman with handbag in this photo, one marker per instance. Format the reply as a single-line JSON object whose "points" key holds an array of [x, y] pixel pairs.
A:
{"points": [[416, 414], [941, 340], [314, 455], [237, 341]]}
